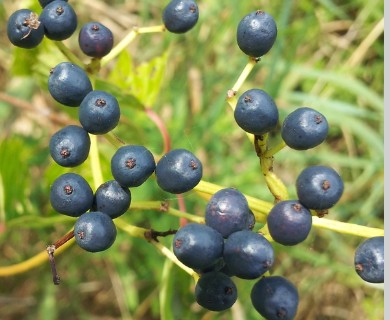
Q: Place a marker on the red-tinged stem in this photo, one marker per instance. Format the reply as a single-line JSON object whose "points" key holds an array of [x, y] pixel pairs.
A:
{"points": [[161, 126]]}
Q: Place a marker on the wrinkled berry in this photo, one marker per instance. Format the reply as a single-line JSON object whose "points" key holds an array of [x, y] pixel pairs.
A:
{"points": [[24, 29]]}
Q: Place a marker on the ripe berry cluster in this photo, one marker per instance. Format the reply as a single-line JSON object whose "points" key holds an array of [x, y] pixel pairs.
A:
{"points": [[177, 171], [225, 246]]}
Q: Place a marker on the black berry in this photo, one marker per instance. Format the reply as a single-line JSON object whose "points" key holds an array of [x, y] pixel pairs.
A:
{"points": [[99, 112], [304, 128], [178, 171], [132, 165], [24, 29], [59, 20], [180, 16], [370, 260], [112, 199], [256, 112], [256, 33], [289, 222], [95, 39], [215, 291], [319, 187], [275, 298], [69, 84], [227, 211], [198, 246], [70, 194], [95, 231], [69, 147], [247, 254]]}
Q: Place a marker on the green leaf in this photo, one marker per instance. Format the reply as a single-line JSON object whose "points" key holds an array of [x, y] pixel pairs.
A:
{"points": [[144, 82]]}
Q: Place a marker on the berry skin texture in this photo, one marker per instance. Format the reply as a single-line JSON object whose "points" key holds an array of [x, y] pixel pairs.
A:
{"points": [[179, 16], [275, 298], [319, 187], [132, 165], [69, 147], [112, 199], [256, 112], [289, 222], [24, 30], [68, 84], [370, 260], [178, 171], [95, 39], [59, 20], [248, 255], [95, 231], [304, 128], [71, 195], [99, 112], [215, 291], [227, 211], [256, 33], [198, 246]]}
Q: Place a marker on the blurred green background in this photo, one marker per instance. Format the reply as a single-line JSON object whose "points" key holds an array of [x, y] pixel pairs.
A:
{"points": [[329, 55]]}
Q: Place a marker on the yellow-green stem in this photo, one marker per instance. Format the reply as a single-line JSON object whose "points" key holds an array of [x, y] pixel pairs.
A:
{"points": [[244, 74], [133, 231], [271, 152], [68, 54], [124, 43], [185, 215], [32, 262], [171, 256], [140, 233], [347, 228], [95, 162]]}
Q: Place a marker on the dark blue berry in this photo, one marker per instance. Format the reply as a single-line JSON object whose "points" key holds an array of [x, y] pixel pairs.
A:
{"points": [[178, 171], [70, 194], [95, 231], [95, 39], [99, 112], [256, 33], [227, 211], [24, 30], [198, 246], [112, 199], [69, 147], [304, 128], [179, 16], [44, 3], [319, 187], [275, 298], [370, 260], [69, 84], [59, 20], [247, 254], [215, 291], [132, 165], [256, 112], [289, 222]]}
